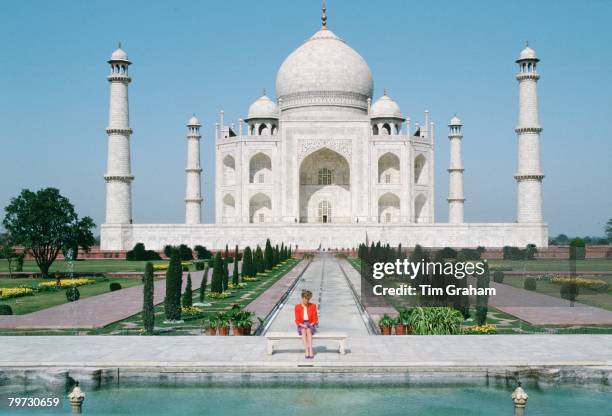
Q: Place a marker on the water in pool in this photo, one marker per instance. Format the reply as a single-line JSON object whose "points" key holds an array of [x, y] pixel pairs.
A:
{"points": [[354, 401]]}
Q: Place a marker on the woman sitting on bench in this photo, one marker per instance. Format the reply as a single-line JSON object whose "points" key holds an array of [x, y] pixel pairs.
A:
{"points": [[306, 320]]}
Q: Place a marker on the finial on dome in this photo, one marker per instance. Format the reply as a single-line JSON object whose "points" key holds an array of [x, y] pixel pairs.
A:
{"points": [[324, 15], [384, 91], [264, 91]]}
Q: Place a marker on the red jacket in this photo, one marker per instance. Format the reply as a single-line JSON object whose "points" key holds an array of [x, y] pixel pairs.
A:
{"points": [[312, 313]]}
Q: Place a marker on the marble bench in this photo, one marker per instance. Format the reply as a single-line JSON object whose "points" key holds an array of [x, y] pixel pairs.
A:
{"points": [[274, 337]]}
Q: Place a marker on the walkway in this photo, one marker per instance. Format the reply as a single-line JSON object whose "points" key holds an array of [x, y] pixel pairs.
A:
{"points": [[337, 308], [93, 312], [539, 309]]}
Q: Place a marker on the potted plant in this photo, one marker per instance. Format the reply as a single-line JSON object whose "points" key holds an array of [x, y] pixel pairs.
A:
{"points": [[223, 325], [385, 323], [241, 322], [404, 321], [399, 327], [211, 324]]}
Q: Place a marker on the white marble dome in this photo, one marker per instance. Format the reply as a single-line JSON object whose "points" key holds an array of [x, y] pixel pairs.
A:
{"points": [[385, 107], [324, 63], [263, 107], [527, 53], [119, 55], [455, 121], [193, 121]]}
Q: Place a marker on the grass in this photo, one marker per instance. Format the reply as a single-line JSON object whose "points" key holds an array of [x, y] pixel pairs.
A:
{"points": [[553, 265], [585, 296], [82, 266], [43, 300]]}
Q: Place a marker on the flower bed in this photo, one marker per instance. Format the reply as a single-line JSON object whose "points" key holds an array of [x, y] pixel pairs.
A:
{"points": [[64, 283], [249, 279], [486, 329], [215, 295], [593, 284], [238, 286], [191, 313], [15, 292]]}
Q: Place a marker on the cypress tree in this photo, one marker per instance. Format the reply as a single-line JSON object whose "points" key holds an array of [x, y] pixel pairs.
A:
{"points": [[216, 286], [247, 263], [235, 274], [188, 295], [290, 254], [482, 301], [268, 256], [148, 308], [226, 254], [282, 252], [203, 284], [225, 273], [174, 281], [259, 261]]}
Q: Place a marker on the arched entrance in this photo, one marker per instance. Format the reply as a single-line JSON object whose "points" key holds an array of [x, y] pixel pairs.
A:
{"points": [[325, 185]]}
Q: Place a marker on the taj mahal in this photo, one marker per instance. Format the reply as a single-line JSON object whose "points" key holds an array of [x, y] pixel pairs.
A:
{"points": [[324, 165]]}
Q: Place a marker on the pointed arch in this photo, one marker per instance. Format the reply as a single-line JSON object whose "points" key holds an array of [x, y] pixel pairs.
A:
{"points": [[420, 214], [260, 208], [229, 208], [229, 170], [389, 169], [388, 208], [260, 168], [420, 170]]}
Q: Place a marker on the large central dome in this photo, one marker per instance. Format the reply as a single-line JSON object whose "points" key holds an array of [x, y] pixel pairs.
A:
{"points": [[324, 70]]}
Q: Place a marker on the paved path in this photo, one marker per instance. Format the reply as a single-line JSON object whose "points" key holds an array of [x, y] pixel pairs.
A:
{"points": [[539, 309], [365, 353], [337, 308], [93, 312]]}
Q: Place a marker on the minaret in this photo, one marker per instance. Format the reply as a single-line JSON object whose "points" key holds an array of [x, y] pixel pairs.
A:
{"points": [[529, 174], [118, 171], [455, 172], [193, 198]]}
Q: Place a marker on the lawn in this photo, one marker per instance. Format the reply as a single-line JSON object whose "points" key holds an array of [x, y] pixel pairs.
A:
{"points": [[43, 300], [82, 266], [586, 296], [553, 265]]}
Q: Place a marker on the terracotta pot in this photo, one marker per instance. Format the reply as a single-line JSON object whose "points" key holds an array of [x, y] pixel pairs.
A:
{"points": [[238, 331], [224, 331], [385, 330], [211, 331], [400, 330], [246, 330], [407, 330]]}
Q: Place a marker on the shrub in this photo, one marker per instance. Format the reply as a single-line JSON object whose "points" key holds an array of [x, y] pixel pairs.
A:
{"points": [[235, 273], [19, 262], [148, 308], [6, 310], [569, 291], [188, 295], [168, 250], [481, 315], [435, 321], [174, 282], [268, 255], [596, 285], [73, 294], [498, 276], [199, 265], [530, 283], [139, 253], [115, 286], [469, 254], [202, 253], [185, 252], [448, 253], [247, 263]]}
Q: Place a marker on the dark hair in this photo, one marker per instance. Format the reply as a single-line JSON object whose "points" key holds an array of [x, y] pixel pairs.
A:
{"points": [[307, 294]]}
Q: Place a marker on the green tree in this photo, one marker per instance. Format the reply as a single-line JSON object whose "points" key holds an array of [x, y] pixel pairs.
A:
{"points": [[482, 301], [7, 252], [225, 271], [268, 256], [188, 295], [174, 282], [82, 237], [202, 253], [203, 283], [148, 308], [235, 273], [247, 263], [609, 230], [259, 261], [216, 286], [185, 253], [43, 222]]}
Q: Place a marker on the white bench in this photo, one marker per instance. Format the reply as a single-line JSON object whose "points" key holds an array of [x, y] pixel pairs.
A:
{"points": [[273, 337]]}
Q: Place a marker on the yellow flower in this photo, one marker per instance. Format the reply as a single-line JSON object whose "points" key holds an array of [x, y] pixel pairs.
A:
{"points": [[15, 292], [68, 282]]}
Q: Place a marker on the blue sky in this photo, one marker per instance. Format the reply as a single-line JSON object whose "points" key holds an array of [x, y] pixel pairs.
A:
{"points": [[196, 56]]}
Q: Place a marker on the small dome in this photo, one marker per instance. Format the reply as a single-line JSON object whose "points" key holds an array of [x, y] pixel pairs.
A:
{"points": [[324, 64], [119, 55], [528, 53], [193, 122], [385, 107], [455, 121], [263, 107]]}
